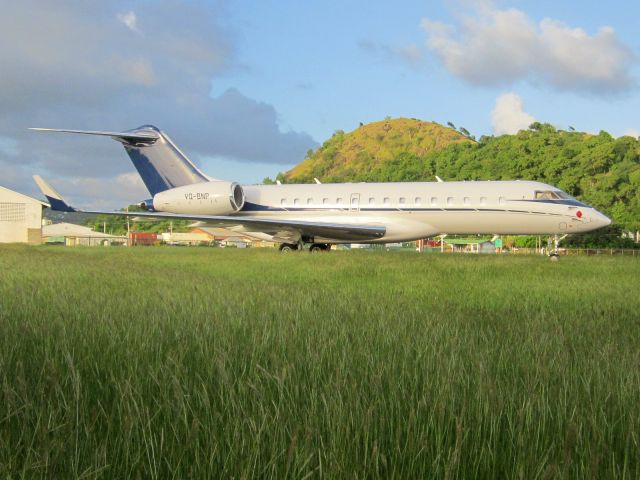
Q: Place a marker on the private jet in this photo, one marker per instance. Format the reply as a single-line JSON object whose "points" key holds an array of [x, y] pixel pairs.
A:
{"points": [[320, 215]]}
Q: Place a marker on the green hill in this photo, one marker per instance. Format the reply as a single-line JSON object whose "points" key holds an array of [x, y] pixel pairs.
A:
{"points": [[367, 151], [601, 170]]}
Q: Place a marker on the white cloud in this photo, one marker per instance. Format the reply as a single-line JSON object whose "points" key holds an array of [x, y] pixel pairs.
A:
{"points": [[508, 116], [130, 20], [501, 47], [69, 65], [632, 132]]}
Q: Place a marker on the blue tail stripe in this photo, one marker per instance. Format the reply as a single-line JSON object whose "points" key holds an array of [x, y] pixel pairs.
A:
{"points": [[161, 165], [59, 205]]}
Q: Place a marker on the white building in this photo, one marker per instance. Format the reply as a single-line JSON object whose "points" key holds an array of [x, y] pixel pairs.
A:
{"points": [[20, 218], [73, 235]]}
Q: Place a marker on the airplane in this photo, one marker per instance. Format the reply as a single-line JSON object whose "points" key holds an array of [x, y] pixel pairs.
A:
{"points": [[319, 214]]}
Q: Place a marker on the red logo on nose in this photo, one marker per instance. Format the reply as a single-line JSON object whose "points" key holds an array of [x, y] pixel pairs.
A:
{"points": [[579, 214]]}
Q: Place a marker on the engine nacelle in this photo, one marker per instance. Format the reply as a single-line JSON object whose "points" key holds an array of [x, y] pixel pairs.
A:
{"points": [[207, 198], [146, 205]]}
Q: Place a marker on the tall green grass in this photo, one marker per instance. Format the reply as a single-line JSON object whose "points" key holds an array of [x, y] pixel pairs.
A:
{"points": [[161, 362]]}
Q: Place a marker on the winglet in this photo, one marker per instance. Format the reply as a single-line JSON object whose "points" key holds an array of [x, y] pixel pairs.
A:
{"points": [[439, 179], [55, 199]]}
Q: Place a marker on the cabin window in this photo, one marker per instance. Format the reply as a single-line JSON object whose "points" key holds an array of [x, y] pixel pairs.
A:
{"points": [[450, 200], [325, 201], [434, 201], [296, 201], [386, 200], [283, 201], [339, 201], [309, 201], [467, 200], [501, 200], [372, 201], [418, 201], [483, 200], [402, 200]]}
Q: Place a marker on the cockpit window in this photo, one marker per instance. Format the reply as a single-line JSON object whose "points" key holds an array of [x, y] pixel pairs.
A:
{"points": [[547, 195], [552, 195], [564, 195]]}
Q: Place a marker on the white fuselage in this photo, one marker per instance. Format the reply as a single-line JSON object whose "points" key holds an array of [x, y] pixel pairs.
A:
{"points": [[415, 210]]}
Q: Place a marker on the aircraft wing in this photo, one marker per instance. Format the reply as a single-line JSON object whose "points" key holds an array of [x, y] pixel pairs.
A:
{"points": [[280, 229], [290, 230]]}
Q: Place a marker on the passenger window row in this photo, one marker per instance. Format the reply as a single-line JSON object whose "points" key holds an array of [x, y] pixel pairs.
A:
{"points": [[402, 201]]}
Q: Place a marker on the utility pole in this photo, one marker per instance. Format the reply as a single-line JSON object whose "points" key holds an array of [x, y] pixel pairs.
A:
{"points": [[128, 229], [442, 242]]}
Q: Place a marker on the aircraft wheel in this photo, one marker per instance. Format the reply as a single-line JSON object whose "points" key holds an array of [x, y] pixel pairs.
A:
{"points": [[288, 248]]}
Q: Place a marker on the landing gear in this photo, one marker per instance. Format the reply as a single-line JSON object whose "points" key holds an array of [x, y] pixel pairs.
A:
{"points": [[555, 253], [296, 247], [319, 247], [288, 247]]}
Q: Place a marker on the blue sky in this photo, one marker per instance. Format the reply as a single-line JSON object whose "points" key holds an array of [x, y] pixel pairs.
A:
{"points": [[245, 88], [286, 45]]}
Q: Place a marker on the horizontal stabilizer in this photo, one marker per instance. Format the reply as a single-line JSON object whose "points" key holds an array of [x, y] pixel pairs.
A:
{"points": [[55, 199], [147, 136], [160, 163]]}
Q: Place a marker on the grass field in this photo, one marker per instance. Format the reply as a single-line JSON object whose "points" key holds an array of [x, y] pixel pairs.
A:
{"points": [[212, 363]]}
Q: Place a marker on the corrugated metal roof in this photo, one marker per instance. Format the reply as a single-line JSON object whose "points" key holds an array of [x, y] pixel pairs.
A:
{"points": [[23, 197], [72, 230], [466, 241]]}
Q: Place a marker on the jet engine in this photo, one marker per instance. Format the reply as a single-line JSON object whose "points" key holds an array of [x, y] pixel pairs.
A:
{"points": [[206, 198], [146, 205]]}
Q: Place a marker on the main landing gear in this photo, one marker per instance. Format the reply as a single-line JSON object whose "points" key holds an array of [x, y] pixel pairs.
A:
{"points": [[288, 247], [314, 248], [319, 247]]}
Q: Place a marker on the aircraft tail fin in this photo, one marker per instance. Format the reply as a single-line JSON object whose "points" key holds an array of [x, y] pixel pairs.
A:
{"points": [[54, 198], [160, 163]]}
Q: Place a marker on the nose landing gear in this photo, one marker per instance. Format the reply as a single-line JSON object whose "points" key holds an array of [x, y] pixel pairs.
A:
{"points": [[553, 254]]}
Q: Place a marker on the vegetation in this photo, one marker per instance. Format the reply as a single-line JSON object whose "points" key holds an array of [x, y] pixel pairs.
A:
{"points": [[371, 150], [598, 169], [210, 363], [117, 225], [607, 237]]}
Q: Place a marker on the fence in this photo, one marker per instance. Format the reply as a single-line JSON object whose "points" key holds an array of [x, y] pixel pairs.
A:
{"points": [[630, 252]]}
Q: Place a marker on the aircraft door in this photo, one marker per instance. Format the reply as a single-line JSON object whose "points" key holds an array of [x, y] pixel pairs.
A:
{"points": [[354, 204]]}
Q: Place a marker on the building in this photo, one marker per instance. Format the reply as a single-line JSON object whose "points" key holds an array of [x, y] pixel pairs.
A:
{"points": [[72, 235], [470, 245], [192, 238], [428, 244], [145, 239], [20, 218], [229, 238]]}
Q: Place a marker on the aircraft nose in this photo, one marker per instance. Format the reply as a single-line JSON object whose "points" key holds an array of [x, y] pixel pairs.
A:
{"points": [[601, 219]]}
